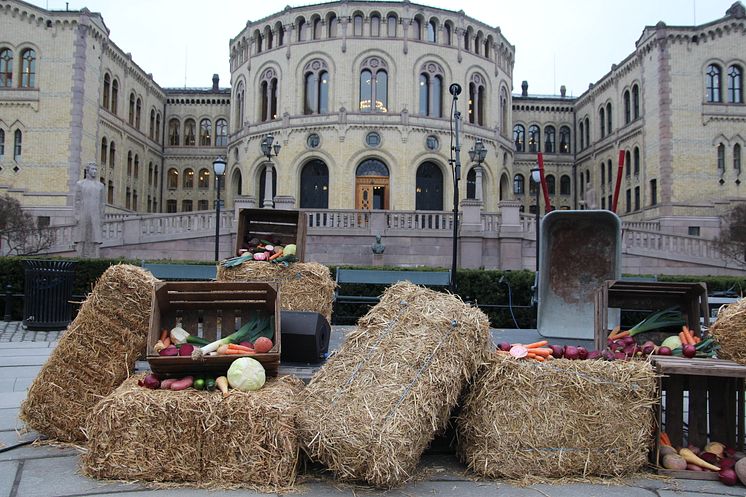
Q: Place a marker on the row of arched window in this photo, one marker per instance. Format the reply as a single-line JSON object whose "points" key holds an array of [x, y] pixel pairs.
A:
{"points": [[374, 91], [188, 180], [110, 102], [206, 138], [532, 143], [25, 67], [431, 30], [17, 144], [733, 88], [736, 158], [519, 184]]}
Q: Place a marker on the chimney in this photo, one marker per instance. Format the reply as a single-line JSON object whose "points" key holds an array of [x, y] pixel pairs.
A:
{"points": [[215, 81], [524, 88], [563, 91]]}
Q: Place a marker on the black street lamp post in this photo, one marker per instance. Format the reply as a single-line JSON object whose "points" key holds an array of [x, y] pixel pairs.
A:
{"points": [[455, 161], [218, 167]]}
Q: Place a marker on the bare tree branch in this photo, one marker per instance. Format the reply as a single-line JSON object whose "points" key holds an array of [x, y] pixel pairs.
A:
{"points": [[19, 231], [732, 241]]}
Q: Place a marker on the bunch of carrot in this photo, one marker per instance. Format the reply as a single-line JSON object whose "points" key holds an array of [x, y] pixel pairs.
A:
{"points": [[687, 337], [617, 333], [536, 351], [234, 349]]}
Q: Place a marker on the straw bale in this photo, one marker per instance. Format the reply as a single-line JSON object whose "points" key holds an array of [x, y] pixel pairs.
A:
{"points": [[246, 439], [558, 419], [730, 331], [376, 404], [94, 355], [304, 286]]}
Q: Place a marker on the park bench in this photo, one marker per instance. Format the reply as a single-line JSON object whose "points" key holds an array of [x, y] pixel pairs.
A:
{"points": [[181, 272]]}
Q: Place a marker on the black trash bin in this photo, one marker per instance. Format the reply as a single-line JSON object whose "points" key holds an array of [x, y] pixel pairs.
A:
{"points": [[47, 293]]}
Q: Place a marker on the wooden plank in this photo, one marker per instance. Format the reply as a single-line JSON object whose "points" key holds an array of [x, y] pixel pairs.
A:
{"points": [[688, 475], [674, 424], [697, 416], [740, 404], [717, 388]]}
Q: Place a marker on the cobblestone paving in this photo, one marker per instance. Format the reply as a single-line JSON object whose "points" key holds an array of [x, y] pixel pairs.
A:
{"points": [[13, 331]]}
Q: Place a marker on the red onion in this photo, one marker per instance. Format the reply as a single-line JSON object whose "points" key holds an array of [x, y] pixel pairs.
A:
{"points": [[571, 352], [688, 350], [664, 351], [557, 351], [150, 381], [582, 353], [186, 350], [728, 477]]}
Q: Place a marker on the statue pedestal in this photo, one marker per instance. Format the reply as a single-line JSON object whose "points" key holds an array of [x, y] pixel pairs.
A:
{"points": [[377, 260], [87, 250]]}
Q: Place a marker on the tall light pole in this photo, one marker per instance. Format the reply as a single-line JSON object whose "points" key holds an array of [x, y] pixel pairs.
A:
{"points": [[267, 149], [455, 90], [536, 178], [218, 167]]}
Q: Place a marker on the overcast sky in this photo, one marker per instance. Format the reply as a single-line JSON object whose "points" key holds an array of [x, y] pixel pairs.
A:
{"points": [[571, 42]]}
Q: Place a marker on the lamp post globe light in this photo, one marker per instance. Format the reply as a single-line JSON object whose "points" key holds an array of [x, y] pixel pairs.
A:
{"points": [[536, 178], [268, 147], [218, 167], [478, 153]]}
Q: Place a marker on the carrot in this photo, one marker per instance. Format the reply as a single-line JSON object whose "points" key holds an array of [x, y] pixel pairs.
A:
{"points": [[613, 333], [235, 346], [275, 255], [622, 334], [166, 342], [664, 439], [164, 334], [535, 345], [535, 357], [541, 352], [236, 352], [697, 340]]}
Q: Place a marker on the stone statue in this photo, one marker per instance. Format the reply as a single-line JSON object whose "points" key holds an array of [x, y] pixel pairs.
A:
{"points": [[378, 247], [589, 197], [89, 207]]}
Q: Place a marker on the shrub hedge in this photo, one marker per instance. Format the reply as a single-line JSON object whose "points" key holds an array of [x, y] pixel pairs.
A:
{"points": [[491, 290]]}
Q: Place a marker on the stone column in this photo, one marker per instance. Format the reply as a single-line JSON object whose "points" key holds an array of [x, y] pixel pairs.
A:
{"points": [[511, 235], [478, 184], [268, 193], [471, 237]]}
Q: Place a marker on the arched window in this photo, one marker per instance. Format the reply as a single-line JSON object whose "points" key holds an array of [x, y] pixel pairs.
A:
{"points": [[114, 96], [581, 127], [467, 36], [205, 133], [301, 23], [259, 41], [712, 83], [564, 145], [155, 179], [131, 114], [262, 185], [129, 163], [188, 182], [721, 158], [636, 161], [534, 138], [602, 167], [151, 127], [431, 89], [391, 22], [239, 106], [221, 133], [375, 25], [432, 29], [471, 183], [519, 137], [138, 109], [478, 43], [110, 192], [635, 101], [173, 132], [203, 180], [6, 68], [268, 95], [447, 30], [150, 174], [602, 121], [190, 132], [158, 127], [2, 143], [608, 118], [503, 112], [374, 85], [332, 23], [107, 91], [112, 154], [737, 157], [416, 29], [17, 144], [173, 179], [518, 184], [357, 25], [104, 150], [316, 23], [137, 166], [280, 34], [565, 185], [628, 163], [627, 107], [186, 206], [549, 140], [314, 185], [551, 184], [316, 88], [28, 68], [429, 188], [476, 99], [735, 84], [587, 132]]}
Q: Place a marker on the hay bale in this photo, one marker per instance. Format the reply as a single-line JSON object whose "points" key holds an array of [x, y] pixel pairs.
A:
{"points": [[304, 286], [246, 439], [376, 404], [730, 331], [94, 355], [558, 419]]}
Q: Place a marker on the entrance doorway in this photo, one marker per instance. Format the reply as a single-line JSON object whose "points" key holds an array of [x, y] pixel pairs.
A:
{"points": [[372, 185]]}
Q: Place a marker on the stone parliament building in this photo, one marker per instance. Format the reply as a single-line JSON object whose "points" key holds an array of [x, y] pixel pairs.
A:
{"points": [[356, 93]]}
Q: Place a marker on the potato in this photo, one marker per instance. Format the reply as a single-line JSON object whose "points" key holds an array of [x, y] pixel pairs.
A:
{"points": [[740, 468], [674, 461], [667, 449]]}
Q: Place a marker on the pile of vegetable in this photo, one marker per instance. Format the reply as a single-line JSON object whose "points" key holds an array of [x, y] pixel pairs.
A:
{"points": [[729, 464], [264, 250], [541, 351], [244, 374]]}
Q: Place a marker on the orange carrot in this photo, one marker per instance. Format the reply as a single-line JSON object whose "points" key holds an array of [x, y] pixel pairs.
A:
{"points": [[236, 352], [535, 345], [275, 255], [664, 439], [540, 351], [613, 333], [622, 334], [697, 340], [235, 346], [166, 341], [535, 357]]}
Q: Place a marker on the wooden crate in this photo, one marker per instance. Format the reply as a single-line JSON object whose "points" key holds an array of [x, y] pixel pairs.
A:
{"points": [[210, 310], [690, 298], [702, 400], [287, 226]]}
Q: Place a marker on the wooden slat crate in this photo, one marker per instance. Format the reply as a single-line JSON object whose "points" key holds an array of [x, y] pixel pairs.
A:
{"points": [[211, 310], [702, 400], [690, 298], [287, 226]]}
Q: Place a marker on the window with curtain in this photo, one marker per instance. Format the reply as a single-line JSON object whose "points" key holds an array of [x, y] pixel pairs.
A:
{"points": [[6, 68], [519, 137], [549, 140], [173, 132], [205, 133], [735, 84], [28, 68], [374, 85], [190, 132], [712, 83], [534, 138], [221, 133]]}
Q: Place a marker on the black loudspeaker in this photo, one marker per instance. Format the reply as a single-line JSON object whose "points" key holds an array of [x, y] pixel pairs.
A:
{"points": [[305, 336]]}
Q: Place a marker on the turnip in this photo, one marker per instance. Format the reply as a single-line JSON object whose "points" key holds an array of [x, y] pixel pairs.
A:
{"points": [[740, 469], [570, 352], [728, 477], [582, 353]]}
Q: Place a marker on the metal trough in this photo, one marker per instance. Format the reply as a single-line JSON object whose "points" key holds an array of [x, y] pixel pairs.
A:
{"points": [[578, 251]]}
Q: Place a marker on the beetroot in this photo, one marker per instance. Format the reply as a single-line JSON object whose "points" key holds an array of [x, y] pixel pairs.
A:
{"points": [[582, 353], [709, 457], [171, 350], [557, 351], [186, 350], [727, 463], [571, 352], [688, 350], [728, 477], [664, 351]]}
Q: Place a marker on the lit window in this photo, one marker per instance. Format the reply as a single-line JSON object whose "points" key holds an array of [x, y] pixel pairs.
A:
{"points": [[519, 137], [190, 135], [374, 85], [221, 133], [205, 133], [173, 132], [564, 146], [477, 99], [204, 178], [534, 138], [173, 179], [188, 182], [518, 184]]}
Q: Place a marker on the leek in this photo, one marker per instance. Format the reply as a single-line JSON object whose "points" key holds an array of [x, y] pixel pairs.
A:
{"points": [[238, 336], [666, 318]]}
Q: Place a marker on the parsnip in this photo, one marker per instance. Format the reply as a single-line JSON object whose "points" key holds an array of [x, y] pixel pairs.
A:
{"points": [[692, 458]]}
